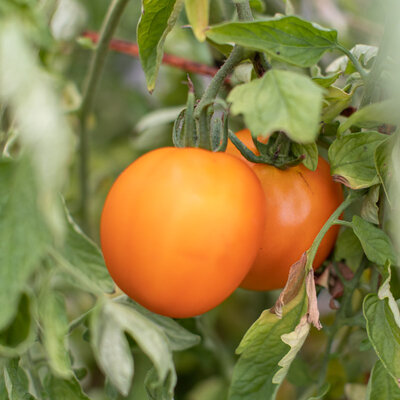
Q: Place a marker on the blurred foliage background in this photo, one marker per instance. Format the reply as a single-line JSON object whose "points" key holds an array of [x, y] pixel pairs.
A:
{"points": [[119, 134]]}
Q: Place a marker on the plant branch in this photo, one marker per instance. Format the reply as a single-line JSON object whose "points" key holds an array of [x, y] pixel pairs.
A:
{"points": [[355, 62], [96, 66], [259, 60], [343, 223], [328, 224], [132, 49]]}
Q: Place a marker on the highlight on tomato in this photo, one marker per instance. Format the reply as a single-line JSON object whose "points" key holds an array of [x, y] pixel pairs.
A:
{"points": [[298, 203], [181, 228]]}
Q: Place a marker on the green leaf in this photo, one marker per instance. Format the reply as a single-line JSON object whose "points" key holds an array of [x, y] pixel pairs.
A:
{"points": [[178, 337], [58, 388], [280, 100], [372, 116], [158, 117], [54, 324], [82, 258], [43, 128], [336, 100], [16, 381], [21, 333], [369, 208], [362, 52], [109, 325], [375, 241], [270, 345], [326, 81], [310, 151], [159, 390], [289, 39], [197, 12], [382, 386], [23, 234], [383, 326], [157, 20], [322, 392], [382, 160], [348, 248], [352, 159], [257, 5]]}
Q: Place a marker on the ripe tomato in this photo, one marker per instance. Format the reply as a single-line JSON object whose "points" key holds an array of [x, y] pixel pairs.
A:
{"points": [[181, 228], [298, 203]]}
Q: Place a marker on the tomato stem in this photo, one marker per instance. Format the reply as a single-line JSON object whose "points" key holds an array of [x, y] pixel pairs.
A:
{"points": [[96, 66], [343, 223], [328, 224], [354, 61]]}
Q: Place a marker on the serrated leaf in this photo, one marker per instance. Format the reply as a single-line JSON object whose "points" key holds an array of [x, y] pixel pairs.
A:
{"points": [[197, 12], [58, 388], [280, 100], [54, 324], [178, 337], [310, 151], [82, 258], [109, 325], [369, 208], [21, 332], [336, 100], [348, 248], [157, 20], [383, 325], [16, 381], [352, 159], [381, 385], [269, 346], [372, 116], [23, 234], [375, 241], [289, 39]]}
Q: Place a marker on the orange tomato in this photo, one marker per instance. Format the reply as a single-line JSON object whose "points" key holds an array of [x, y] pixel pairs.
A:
{"points": [[298, 203], [181, 228]]}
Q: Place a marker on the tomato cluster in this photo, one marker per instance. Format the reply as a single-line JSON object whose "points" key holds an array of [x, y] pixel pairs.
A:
{"points": [[181, 229]]}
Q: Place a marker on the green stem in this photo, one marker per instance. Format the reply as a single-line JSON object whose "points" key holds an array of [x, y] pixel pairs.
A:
{"points": [[213, 88], [200, 113], [355, 62], [96, 66], [244, 11], [328, 224], [259, 60], [77, 321], [343, 223]]}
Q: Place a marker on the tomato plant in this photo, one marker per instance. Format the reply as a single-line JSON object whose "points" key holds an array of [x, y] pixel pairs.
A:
{"points": [[179, 223], [131, 107], [298, 203]]}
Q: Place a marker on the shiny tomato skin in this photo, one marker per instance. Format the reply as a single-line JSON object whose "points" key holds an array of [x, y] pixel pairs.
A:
{"points": [[181, 228], [298, 203]]}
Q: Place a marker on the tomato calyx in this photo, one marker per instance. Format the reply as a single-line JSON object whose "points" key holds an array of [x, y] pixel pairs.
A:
{"points": [[209, 132], [276, 152]]}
